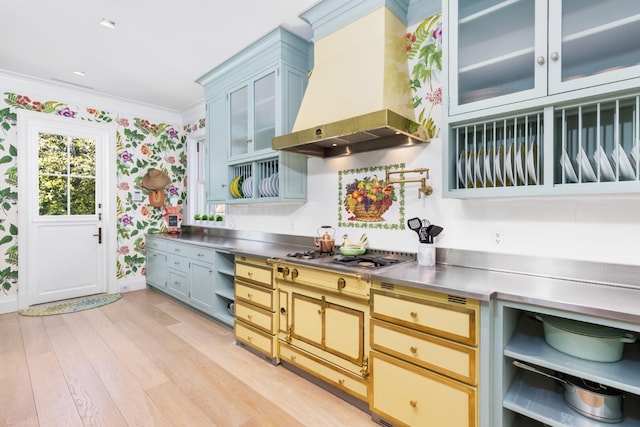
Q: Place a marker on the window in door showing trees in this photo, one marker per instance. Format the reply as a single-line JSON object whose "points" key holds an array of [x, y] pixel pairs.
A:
{"points": [[67, 175]]}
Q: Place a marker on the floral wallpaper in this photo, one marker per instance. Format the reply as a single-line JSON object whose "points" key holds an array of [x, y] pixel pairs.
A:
{"points": [[424, 51], [140, 145]]}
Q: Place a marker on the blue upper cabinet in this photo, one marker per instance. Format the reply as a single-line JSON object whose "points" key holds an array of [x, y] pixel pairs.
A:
{"points": [[252, 97]]}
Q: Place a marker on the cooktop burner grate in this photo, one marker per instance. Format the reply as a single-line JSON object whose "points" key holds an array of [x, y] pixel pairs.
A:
{"points": [[310, 254]]}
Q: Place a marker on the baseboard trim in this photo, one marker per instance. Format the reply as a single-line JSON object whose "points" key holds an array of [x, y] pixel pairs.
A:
{"points": [[133, 284], [9, 304]]}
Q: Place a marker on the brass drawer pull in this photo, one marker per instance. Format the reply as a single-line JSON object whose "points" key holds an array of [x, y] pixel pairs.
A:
{"points": [[250, 316], [294, 273], [413, 403], [250, 274], [249, 337], [249, 295], [341, 381], [414, 349], [341, 283], [413, 314]]}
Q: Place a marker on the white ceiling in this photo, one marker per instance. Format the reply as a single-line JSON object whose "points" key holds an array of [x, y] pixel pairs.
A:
{"points": [[156, 52]]}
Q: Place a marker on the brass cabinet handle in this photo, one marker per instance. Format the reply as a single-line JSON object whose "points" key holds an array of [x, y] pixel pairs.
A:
{"points": [[341, 283], [414, 349], [249, 295], [413, 403], [294, 273], [293, 357], [250, 274], [413, 314], [249, 337], [250, 316], [341, 381]]}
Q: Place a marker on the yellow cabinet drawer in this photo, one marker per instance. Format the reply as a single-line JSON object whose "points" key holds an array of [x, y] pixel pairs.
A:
{"points": [[198, 253], [434, 315], [254, 338], [258, 275], [406, 394], [157, 244], [253, 294], [320, 369], [259, 318], [455, 360], [178, 262]]}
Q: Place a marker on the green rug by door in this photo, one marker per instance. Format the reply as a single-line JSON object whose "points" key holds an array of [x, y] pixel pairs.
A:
{"points": [[71, 306]]}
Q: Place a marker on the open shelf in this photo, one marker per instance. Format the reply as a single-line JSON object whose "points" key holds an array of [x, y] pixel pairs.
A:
{"points": [[541, 399], [528, 344]]}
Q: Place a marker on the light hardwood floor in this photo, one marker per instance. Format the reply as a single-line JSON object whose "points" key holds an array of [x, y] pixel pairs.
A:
{"points": [[147, 360]]}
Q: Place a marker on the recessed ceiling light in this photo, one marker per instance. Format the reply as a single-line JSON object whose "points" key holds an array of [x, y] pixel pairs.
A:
{"points": [[79, 73], [107, 23]]}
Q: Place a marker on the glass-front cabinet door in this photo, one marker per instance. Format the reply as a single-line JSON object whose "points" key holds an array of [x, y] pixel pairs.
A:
{"points": [[264, 111], [252, 112], [497, 47], [592, 42], [239, 122]]}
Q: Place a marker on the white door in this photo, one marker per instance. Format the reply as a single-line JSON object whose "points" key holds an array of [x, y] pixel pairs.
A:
{"points": [[65, 177]]}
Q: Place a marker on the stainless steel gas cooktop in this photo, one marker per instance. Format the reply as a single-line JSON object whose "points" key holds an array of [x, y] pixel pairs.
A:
{"points": [[372, 259]]}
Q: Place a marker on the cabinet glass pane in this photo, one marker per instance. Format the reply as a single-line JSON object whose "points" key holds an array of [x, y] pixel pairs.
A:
{"points": [[495, 48], [599, 36], [264, 93], [239, 121]]}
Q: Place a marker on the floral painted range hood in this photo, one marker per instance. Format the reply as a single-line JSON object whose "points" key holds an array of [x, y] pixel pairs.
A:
{"points": [[359, 95]]}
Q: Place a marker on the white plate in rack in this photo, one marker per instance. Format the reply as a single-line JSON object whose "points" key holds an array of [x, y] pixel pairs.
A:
{"points": [[499, 165], [508, 165], [587, 170], [532, 161], [620, 158], [488, 166], [567, 167], [602, 162], [480, 168], [462, 164], [276, 184]]}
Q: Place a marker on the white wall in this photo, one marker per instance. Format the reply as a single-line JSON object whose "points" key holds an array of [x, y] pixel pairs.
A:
{"points": [[593, 228]]}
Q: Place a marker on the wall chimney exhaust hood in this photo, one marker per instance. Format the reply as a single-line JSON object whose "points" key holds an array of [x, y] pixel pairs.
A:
{"points": [[358, 97]]}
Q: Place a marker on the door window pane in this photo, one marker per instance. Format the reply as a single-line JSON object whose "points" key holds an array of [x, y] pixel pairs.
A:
{"points": [[67, 170], [239, 121], [265, 111]]}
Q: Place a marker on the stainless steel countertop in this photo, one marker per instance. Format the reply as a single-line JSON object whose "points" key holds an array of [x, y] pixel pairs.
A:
{"points": [[606, 300]]}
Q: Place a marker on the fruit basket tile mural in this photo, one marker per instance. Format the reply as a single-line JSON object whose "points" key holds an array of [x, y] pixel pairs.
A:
{"points": [[366, 200]]}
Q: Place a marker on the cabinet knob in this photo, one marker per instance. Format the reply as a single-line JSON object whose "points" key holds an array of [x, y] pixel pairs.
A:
{"points": [[294, 273], [413, 403], [285, 271], [341, 381], [249, 295], [555, 56], [249, 337], [414, 349], [540, 60], [250, 316], [293, 357], [413, 314], [341, 283]]}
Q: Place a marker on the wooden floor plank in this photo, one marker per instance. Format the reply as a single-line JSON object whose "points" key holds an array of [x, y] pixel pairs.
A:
{"points": [[54, 403], [93, 402], [14, 375], [135, 405], [131, 357], [148, 360]]}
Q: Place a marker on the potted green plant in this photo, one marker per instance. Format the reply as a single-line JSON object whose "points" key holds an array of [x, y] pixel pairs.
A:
{"points": [[197, 218]]}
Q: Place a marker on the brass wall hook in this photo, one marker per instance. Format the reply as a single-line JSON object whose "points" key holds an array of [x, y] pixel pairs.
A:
{"points": [[425, 188]]}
